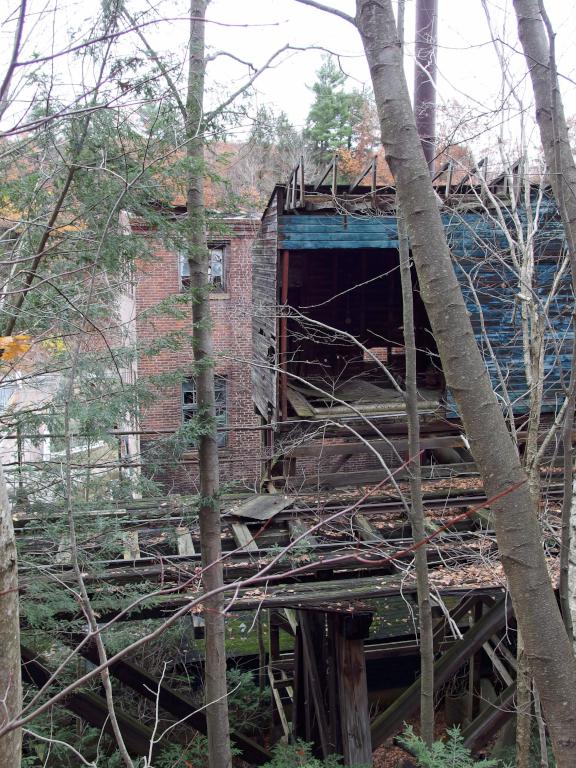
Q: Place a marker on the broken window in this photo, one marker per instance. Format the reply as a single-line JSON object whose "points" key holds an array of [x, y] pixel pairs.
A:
{"points": [[190, 403], [216, 268]]}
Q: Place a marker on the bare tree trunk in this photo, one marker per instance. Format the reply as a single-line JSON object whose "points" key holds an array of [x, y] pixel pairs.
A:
{"points": [[567, 557], [549, 109], [10, 680], [570, 585], [523, 707], [537, 38], [416, 514], [219, 753], [416, 506], [542, 739], [547, 646]]}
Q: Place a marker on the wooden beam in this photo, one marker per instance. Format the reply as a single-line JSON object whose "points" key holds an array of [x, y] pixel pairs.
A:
{"points": [[284, 337], [148, 687], [336, 449], [243, 537], [300, 405], [327, 170], [490, 720], [297, 528], [335, 176], [184, 541], [365, 531], [364, 172], [389, 721], [352, 689], [64, 555], [497, 664], [131, 546], [92, 708], [314, 680], [302, 196], [339, 479], [278, 701]]}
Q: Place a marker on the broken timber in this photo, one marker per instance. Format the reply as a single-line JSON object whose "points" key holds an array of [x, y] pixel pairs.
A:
{"points": [[389, 722], [171, 701], [330, 702], [91, 708]]}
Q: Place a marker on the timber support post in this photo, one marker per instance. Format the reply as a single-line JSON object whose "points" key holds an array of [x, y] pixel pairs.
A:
{"points": [[330, 688], [350, 631]]}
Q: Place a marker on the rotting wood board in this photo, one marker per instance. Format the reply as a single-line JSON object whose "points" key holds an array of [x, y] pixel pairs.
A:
{"points": [[262, 507]]}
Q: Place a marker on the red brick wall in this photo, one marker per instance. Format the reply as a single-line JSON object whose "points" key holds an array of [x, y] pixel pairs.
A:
{"points": [[157, 280]]}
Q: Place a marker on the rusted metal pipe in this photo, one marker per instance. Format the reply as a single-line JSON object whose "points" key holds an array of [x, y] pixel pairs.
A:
{"points": [[425, 53]]}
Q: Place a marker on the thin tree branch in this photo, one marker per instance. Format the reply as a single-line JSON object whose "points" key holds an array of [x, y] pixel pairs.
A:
{"points": [[328, 9], [4, 88], [156, 59]]}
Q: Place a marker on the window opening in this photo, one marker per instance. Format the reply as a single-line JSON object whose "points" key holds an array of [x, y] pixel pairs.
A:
{"points": [[216, 268], [190, 403]]}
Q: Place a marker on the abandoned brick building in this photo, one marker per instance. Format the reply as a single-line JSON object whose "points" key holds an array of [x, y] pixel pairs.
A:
{"points": [[162, 275], [307, 310]]}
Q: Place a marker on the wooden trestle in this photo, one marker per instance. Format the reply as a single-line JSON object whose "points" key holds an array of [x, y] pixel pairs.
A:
{"points": [[320, 688]]}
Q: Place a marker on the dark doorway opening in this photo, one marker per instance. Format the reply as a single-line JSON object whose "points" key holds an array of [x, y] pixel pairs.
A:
{"points": [[338, 294]]}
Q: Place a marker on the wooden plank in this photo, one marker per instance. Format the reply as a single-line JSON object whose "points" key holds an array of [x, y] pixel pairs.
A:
{"points": [[243, 537], [364, 530], [291, 244], [339, 479], [298, 702], [335, 449], [352, 693], [262, 507], [147, 686], [314, 681], [327, 170], [396, 407], [91, 707], [299, 403], [297, 528], [64, 555], [131, 546], [387, 723], [497, 664], [292, 619], [490, 719], [278, 701], [184, 541], [264, 282]]}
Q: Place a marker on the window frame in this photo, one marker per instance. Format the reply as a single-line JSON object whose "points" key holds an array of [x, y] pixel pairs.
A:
{"points": [[221, 392], [184, 272]]}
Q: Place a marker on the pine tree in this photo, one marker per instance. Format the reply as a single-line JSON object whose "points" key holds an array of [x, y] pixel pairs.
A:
{"points": [[334, 114]]}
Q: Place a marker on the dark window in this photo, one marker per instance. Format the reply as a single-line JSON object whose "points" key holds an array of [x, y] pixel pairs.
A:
{"points": [[190, 403], [184, 271], [216, 269]]}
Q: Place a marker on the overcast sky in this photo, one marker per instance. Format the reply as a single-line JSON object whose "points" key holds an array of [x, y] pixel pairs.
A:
{"points": [[467, 63], [468, 69]]}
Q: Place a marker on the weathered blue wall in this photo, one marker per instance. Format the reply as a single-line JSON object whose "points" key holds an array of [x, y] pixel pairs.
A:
{"points": [[489, 283]]}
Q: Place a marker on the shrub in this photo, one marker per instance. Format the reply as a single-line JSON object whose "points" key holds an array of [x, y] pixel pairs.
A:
{"points": [[299, 755], [444, 754]]}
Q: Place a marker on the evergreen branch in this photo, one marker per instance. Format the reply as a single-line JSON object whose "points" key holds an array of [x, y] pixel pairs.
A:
{"points": [[156, 59]]}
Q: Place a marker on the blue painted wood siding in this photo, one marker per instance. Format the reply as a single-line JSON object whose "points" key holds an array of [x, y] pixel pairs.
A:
{"points": [[490, 286]]}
